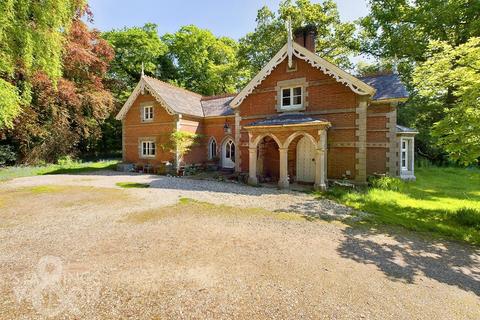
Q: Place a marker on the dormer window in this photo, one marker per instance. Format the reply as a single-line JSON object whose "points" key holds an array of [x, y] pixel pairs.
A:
{"points": [[292, 98], [148, 113]]}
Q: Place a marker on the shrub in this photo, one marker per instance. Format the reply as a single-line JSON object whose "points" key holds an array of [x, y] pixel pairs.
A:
{"points": [[7, 155], [468, 217], [387, 183], [66, 161]]}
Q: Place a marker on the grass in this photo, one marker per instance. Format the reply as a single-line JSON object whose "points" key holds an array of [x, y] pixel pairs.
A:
{"points": [[443, 201], [186, 206], [70, 167], [129, 185]]}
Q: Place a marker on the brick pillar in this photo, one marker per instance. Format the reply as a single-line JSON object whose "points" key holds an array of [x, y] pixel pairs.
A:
{"points": [[361, 134], [238, 154]]}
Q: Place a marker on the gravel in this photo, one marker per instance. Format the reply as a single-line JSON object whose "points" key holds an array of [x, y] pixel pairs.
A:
{"points": [[73, 242]]}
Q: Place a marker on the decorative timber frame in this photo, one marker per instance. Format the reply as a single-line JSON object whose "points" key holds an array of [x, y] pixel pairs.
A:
{"points": [[315, 61]]}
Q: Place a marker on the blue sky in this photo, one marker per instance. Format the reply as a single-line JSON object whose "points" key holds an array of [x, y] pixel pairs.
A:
{"points": [[233, 18]]}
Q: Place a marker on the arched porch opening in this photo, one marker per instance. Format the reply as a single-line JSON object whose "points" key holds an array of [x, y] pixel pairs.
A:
{"points": [[268, 160], [301, 154]]}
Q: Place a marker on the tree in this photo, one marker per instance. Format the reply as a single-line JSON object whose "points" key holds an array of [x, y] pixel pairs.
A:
{"points": [[205, 64], [450, 77], [32, 35], [404, 29], [64, 117], [135, 47], [335, 40]]}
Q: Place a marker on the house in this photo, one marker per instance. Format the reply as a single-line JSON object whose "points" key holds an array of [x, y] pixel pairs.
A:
{"points": [[300, 119]]}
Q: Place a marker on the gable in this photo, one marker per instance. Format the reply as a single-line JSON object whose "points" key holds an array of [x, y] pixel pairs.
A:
{"points": [[356, 85]]}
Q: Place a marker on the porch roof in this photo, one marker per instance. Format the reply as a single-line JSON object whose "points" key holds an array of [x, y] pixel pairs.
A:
{"points": [[285, 120]]}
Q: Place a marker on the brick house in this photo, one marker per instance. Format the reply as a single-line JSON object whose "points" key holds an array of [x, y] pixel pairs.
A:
{"points": [[300, 119]]}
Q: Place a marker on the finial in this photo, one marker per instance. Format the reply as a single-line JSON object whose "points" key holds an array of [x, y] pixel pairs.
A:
{"points": [[143, 71], [288, 25]]}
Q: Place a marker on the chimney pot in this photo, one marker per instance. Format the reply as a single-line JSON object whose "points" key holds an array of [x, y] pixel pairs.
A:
{"points": [[306, 37]]}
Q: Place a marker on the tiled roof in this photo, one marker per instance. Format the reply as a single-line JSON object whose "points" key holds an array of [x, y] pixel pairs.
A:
{"points": [[187, 102], [286, 119], [217, 106], [178, 99], [388, 86], [402, 129]]}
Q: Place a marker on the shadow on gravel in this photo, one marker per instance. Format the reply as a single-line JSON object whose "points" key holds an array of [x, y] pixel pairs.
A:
{"points": [[405, 256]]}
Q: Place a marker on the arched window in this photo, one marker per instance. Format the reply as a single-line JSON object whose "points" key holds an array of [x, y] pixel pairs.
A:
{"points": [[212, 149]]}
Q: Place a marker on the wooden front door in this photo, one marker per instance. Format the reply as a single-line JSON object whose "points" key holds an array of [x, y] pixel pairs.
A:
{"points": [[305, 160]]}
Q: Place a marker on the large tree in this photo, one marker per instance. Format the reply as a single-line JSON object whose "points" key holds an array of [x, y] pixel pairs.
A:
{"points": [[402, 30], [32, 35], [205, 63], [135, 47], [335, 40], [451, 78], [64, 116]]}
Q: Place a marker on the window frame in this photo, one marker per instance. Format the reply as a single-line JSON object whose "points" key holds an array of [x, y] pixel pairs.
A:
{"points": [[212, 149], [149, 144], [292, 96], [150, 113]]}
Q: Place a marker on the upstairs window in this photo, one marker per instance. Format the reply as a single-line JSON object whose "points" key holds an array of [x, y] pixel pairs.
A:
{"points": [[148, 149], [147, 113], [292, 98]]}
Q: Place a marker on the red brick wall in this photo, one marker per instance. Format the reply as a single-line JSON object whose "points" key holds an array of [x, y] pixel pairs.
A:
{"points": [[134, 129], [323, 93]]}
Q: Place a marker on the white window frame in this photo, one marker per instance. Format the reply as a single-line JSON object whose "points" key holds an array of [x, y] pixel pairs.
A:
{"points": [[407, 154], [146, 148], [148, 113], [291, 106], [212, 150]]}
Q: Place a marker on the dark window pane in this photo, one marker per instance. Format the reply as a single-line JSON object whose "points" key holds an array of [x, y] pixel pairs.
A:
{"points": [[297, 91], [286, 92], [286, 101], [297, 100]]}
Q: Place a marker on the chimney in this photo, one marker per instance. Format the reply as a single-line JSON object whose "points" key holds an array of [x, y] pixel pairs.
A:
{"points": [[306, 36]]}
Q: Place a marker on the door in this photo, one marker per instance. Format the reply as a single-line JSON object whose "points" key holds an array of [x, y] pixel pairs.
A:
{"points": [[305, 160], [228, 154]]}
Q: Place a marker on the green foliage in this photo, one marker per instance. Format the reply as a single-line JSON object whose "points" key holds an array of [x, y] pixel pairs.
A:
{"points": [[335, 40], [69, 168], [181, 142], [387, 183], [443, 201], [9, 103], [205, 64], [468, 217], [32, 36], [450, 79], [7, 155], [403, 29], [133, 47]]}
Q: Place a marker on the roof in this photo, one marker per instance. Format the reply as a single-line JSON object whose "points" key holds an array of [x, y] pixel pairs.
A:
{"points": [[286, 120], [217, 106], [356, 85], [388, 86], [402, 129], [177, 100]]}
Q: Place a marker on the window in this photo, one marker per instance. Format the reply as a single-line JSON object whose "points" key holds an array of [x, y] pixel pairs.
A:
{"points": [[212, 149], [230, 150], [148, 149], [292, 98], [404, 155], [147, 113]]}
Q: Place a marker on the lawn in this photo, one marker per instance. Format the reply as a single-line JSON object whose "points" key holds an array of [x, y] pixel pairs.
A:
{"points": [[64, 167], [443, 201]]}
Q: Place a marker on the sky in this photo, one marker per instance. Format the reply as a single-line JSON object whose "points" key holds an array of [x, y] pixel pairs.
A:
{"points": [[232, 18]]}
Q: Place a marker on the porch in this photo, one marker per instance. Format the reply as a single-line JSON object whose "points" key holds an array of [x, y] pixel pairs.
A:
{"points": [[289, 147]]}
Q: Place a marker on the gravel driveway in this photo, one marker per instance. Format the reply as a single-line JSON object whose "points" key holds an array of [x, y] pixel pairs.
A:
{"points": [[69, 238]]}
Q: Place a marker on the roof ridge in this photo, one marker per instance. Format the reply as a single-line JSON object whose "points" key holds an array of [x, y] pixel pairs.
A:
{"points": [[173, 86], [218, 96]]}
